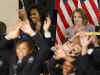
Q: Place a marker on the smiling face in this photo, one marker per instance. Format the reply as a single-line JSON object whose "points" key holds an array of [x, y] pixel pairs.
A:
{"points": [[77, 19], [34, 15], [23, 50]]}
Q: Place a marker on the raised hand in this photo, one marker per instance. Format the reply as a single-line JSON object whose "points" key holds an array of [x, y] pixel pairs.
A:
{"points": [[13, 34], [47, 24], [59, 52], [26, 28], [67, 47], [85, 40]]}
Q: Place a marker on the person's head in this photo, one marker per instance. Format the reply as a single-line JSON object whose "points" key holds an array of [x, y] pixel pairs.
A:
{"points": [[34, 14], [79, 17], [24, 47], [3, 27], [37, 13]]}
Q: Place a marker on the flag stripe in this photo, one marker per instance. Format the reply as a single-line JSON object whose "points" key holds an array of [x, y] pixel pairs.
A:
{"points": [[58, 41], [89, 16], [91, 12], [61, 36], [68, 8], [67, 17], [57, 3], [96, 2], [75, 3], [61, 25], [72, 5], [95, 8], [62, 15], [63, 18]]}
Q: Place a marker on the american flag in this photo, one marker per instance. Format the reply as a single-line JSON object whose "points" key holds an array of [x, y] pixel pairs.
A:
{"points": [[65, 8]]}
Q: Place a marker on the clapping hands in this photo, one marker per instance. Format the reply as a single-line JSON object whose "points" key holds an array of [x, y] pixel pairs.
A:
{"points": [[23, 26], [47, 24]]}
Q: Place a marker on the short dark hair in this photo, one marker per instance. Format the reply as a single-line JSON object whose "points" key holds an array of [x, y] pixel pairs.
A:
{"points": [[31, 44], [83, 15], [2, 27]]}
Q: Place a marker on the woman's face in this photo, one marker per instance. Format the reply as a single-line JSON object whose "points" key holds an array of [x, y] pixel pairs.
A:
{"points": [[34, 15], [78, 19], [22, 50]]}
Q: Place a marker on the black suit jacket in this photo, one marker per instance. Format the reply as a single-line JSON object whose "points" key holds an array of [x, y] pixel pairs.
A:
{"points": [[88, 64], [35, 67], [83, 66], [4, 66]]}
